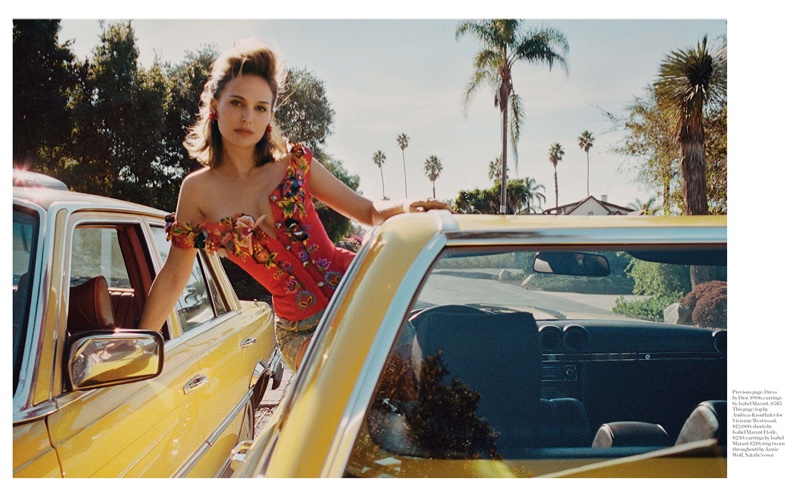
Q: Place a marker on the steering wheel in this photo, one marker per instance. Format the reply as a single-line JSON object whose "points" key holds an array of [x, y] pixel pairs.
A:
{"points": [[459, 309]]}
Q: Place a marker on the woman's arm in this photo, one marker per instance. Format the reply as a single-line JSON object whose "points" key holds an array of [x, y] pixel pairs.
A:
{"points": [[334, 193], [167, 287], [174, 275]]}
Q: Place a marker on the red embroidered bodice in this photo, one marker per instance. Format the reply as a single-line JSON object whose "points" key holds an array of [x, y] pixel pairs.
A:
{"points": [[301, 267]]}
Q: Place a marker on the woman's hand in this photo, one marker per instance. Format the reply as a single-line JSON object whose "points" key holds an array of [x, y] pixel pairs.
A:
{"points": [[424, 205]]}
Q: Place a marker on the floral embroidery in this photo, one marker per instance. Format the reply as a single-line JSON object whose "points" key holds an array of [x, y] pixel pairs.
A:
{"points": [[332, 279], [292, 285], [305, 299], [293, 196], [241, 237]]}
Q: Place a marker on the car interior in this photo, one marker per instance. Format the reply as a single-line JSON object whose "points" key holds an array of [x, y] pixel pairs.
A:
{"points": [[469, 381]]}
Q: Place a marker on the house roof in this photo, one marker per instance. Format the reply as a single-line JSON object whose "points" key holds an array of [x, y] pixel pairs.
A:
{"points": [[567, 209]]}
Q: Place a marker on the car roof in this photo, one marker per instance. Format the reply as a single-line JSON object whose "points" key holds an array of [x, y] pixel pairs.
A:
{"points": [[48, 197], [463, 224], [27, 178]]}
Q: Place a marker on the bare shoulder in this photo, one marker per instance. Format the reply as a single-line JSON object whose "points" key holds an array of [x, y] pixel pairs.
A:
{"points": [[197, 182], [194, 187]]}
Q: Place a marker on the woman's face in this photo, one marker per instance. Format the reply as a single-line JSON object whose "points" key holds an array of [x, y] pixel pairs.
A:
{"points": [[244, 110]]}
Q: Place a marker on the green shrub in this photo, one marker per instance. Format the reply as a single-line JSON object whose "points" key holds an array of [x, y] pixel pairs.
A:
{"points": [[650, 309]]}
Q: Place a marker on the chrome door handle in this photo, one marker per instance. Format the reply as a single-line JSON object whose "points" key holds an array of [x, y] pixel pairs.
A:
{"points": [[247, 342], [196, 382]]}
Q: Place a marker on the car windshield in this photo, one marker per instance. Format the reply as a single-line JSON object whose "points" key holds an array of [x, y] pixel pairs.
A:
{"points": [[554, 285], [25, 237], [526, 356]]}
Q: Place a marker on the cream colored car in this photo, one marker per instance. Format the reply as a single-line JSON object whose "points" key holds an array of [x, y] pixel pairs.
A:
{"points": [[92, 396]]}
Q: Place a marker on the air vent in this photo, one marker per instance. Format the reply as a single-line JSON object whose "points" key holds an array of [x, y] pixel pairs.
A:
{"points": [[576, 338], [550, 337]]}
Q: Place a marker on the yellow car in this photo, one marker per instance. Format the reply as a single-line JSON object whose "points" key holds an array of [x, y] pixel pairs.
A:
{"points": [[524, 346], [93, 397]]}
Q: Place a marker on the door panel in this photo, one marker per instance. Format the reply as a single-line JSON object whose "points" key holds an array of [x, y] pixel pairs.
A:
{"points": [[33, 455], [144, 429]]}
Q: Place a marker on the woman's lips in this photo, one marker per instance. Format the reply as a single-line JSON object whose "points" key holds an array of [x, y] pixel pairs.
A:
{"points": [[244, 132]]}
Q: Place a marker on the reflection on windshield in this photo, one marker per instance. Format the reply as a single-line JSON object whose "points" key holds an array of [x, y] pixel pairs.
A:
{"points": [[634, 288]]}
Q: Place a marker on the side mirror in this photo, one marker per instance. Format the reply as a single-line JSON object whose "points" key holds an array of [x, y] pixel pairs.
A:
{"points": [[100, 359], [571, 263]]}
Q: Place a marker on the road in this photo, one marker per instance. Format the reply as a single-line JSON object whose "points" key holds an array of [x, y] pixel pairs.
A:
{"points": [[444, 288], [271, 399]]}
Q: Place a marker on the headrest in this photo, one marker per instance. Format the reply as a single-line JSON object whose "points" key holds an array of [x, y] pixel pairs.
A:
{"points": [[90, 307], [708, 420], [630, 434]]}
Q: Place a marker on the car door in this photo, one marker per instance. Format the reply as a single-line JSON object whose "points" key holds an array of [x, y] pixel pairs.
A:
{"points": [[222, 340], [144, 429]]}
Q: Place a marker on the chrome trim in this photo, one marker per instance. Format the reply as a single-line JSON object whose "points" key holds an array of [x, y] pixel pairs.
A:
{"points": [[194, 383], [353, 415], [35, 413], [247, 342], [601, 236], [595, 357], [30, 365], [259, 369], [209, 442]]}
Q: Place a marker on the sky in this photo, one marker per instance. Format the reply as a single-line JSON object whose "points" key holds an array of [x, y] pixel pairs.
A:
{"points": [[398, 69], [391, 76]]}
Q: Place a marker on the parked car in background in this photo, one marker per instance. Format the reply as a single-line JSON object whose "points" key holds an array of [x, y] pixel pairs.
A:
{"points": [[93, 396], [500, 346]]}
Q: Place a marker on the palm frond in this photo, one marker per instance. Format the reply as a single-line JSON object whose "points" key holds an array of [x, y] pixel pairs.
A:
{"points": [[515, 125]]}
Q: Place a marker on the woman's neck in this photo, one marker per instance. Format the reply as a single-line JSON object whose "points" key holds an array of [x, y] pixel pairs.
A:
{"points": [[238, 161]]}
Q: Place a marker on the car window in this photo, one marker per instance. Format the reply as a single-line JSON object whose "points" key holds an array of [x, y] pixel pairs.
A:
{"points": [[25, 238], [529, 355], [194, 304], [201, 300], [96, 251]]}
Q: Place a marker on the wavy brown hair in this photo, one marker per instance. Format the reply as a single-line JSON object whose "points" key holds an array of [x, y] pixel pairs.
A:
{"points": [[247, 57]]}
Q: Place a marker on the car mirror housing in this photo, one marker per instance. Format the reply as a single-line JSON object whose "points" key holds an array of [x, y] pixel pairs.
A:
{"points": [[571, 263], [101, 359]]}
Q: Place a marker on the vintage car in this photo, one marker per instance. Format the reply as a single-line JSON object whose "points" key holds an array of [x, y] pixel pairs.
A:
{"points": [[93, 396], [514, 346]]}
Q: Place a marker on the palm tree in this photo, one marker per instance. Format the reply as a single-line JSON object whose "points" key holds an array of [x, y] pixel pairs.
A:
{"points": [[379, 158], [689, 81], [433, 168], [556, 155], [495, 173], [535, 192], [586, 141], [648, 207], [402, 141], [504, 44]]}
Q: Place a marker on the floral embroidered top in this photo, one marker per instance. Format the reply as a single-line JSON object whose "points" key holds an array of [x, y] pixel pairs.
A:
{"points": [[301, 267]]}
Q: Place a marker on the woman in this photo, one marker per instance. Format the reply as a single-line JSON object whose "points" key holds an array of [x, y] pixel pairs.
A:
{"points": [[253, 201]]}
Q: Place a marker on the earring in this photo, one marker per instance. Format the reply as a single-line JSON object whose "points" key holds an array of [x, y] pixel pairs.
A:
{"points": [[269, 128], [212, 115]]}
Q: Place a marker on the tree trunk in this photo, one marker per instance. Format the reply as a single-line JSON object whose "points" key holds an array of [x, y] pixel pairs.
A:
{"points": [[383, 187], [555, 176], [693, 173], [503, 180], [405, 177], [587, 174]]}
